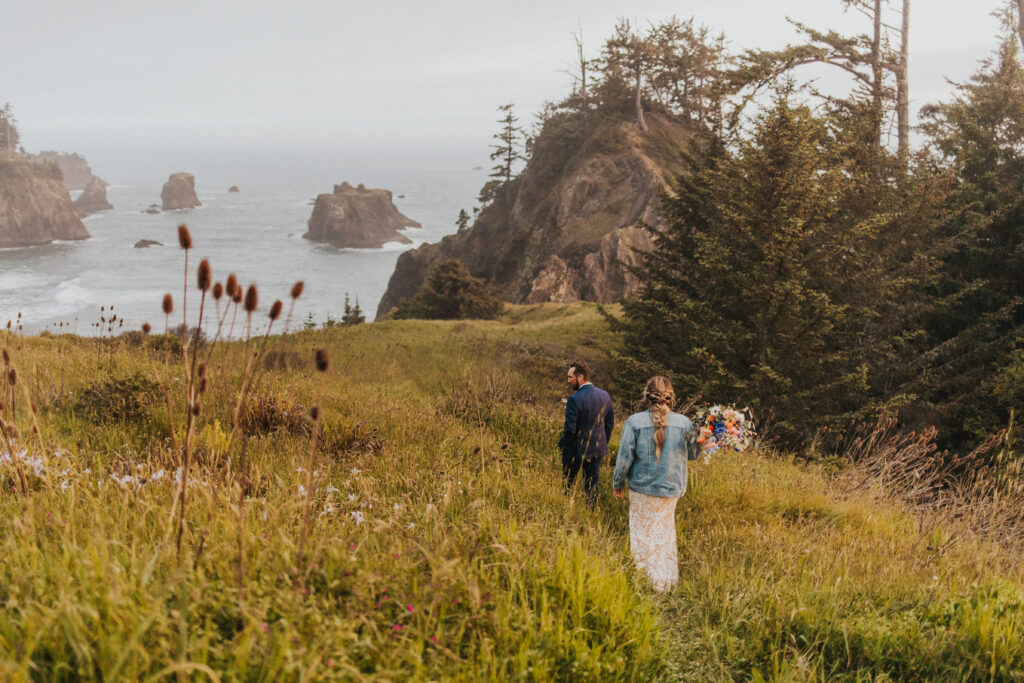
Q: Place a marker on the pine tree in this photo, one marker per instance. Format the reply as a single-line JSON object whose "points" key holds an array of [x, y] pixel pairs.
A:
{"points": [[450, 293], [760, 288], [980, 318], [353, 314], [507, 152], [462, 221], [10, 139]]}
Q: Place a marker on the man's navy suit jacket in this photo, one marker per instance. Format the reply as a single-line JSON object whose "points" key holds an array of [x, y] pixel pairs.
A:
{"points": [[589, 419]]}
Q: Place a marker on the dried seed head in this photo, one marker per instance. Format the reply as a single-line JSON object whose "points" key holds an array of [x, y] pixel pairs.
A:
{"points": [[35, 408], [168, 304], [231, 285], [237, 296], [297, 289], [323, 361], [197, 408], [184, 237], [202, 369], [218, 291], [314, 413], [12, 377], [275, 310], [7, 356], [146, 328], [13, 429], [251, 299], [203, 384], [203, 276]]}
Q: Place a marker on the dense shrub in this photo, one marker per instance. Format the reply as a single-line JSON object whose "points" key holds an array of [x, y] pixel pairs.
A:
{"points": [[450, 293]]}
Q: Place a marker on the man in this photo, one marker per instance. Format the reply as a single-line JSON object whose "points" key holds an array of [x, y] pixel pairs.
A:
{"points": [[589, 419]]}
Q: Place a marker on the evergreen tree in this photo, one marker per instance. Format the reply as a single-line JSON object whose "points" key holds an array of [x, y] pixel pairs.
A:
{"points": [[10, 139], [450, 293], [762, 287], [353, 314], [462, 221], [979, 321], [507, 152]]}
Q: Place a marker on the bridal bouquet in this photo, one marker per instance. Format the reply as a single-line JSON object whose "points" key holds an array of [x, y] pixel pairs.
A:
{"points": [[721, 427]]}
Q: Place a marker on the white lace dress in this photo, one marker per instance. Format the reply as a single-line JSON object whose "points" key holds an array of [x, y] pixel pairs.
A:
{"points": [[652, 538]]}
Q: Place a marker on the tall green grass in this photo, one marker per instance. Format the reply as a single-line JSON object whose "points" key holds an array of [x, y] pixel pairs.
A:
{"points": [[441, 546]]}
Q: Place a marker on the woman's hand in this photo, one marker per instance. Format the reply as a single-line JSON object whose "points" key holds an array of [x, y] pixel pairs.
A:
{"points": [[618, 493]]}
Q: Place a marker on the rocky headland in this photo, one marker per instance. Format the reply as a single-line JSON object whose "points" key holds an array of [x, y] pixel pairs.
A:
{"points": [[357, 217], [94, 198], [179, 192], [35, 207], [73, 167], [573, 221]]}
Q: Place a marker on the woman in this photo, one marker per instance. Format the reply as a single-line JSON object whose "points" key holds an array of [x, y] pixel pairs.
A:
{"points": [[652, 459]]}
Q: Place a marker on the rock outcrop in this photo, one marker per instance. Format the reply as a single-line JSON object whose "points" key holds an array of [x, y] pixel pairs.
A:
{"points": [[234, 188], [143, 244], [179, 192], [567, 228], [94, 198], [73, 167], [35, 207], [152, 208], [357, 217]]}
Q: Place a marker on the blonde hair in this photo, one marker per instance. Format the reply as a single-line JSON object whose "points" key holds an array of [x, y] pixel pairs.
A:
{"points": [[660, 395]]}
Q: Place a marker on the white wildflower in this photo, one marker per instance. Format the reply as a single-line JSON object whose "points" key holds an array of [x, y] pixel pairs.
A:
{"points": [[356, 516], [351, 497], [302, 489]]}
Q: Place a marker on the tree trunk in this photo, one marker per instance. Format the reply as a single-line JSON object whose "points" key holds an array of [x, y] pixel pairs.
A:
{"points": [[876, 78], [639, 104], [903, 88], [1020, 22]]}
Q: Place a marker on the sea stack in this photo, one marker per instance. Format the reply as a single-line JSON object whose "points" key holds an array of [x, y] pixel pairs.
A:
{"points": [[357, 217], [179, 192], [35, 207], [94, 198]]}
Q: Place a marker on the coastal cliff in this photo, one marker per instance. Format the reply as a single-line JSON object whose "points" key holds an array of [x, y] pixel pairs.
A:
{"points": [[565, 228], [74, 168], [35, 207], [357, 217]]}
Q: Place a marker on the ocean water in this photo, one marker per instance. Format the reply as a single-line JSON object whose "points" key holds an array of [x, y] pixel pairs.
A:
{"points": [[256, 234]]}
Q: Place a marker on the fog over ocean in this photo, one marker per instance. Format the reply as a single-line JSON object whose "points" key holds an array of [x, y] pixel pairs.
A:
{"points": [[256, 233]]}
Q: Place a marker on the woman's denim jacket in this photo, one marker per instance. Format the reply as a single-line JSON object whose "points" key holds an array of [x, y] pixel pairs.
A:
{"points": [[638, 463]]}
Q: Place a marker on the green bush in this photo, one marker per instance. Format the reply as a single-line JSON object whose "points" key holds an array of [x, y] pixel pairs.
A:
{"points": [[450, 293]]}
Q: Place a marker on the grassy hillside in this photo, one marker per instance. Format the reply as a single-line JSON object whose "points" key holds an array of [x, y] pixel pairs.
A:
{"points": [[440, 546]]}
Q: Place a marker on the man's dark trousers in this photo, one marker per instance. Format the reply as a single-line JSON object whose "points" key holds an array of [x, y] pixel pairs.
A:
{"points": [[589, 420]]}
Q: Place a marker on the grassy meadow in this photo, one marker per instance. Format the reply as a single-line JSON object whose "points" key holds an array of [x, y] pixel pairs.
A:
{"points": [[438, 544]]}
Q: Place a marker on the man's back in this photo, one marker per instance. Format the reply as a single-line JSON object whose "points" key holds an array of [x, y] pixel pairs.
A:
{"points": [[589, 419]]}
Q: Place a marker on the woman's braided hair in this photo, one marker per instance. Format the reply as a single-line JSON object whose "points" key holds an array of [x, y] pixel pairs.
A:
{"points": [[660, 395]]}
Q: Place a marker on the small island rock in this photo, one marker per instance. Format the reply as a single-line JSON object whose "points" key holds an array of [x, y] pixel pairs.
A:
{"points": [[142, 244], [234, 188], [94, 198], [357, 217], [179, 192], [153, 208]]}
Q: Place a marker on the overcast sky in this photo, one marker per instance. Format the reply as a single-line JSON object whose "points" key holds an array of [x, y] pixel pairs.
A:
{"points": [[368, 74]]}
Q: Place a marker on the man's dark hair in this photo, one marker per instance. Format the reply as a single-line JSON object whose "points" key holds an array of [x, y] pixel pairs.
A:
{"points": [[578, 367]]}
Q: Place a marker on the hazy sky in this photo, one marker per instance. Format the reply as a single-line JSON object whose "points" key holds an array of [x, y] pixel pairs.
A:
{"points": [[367, 74]]}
